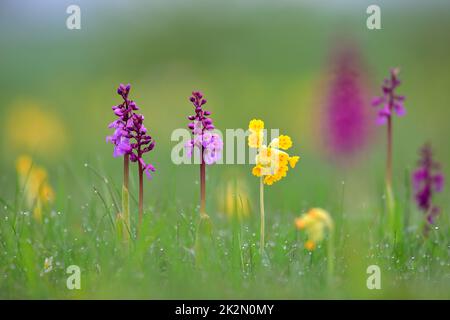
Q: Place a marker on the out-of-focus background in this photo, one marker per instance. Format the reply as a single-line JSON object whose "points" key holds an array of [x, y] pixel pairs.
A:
{"points": [[273, 60], [251, 58]]}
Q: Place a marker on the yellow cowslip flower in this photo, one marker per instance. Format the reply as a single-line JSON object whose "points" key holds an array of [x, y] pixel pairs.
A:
{"points": [[271, 162], [34, 183], [315, 222]]}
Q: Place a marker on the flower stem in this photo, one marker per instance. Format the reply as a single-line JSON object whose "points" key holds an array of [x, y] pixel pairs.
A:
{"points": [[330, 256], [126, 174], [141, 194], [261, 207], [202, 185], [389, 192], [125, 197], [389, 154]]}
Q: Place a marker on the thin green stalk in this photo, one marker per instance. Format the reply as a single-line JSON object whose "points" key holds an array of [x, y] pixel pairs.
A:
{"points": [[261, 207], [126, 198], [202, 185], [141, 195], [330, 256], [394, 220]]}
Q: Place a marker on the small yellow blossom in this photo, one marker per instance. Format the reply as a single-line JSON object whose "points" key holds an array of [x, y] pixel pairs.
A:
{"points": [[34, 183], [256, 125], [255, 139], [271, 162], [315, 222], [257, 171], [284, 142]]}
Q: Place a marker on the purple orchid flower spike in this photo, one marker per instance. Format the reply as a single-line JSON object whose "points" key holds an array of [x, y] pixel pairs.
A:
{"points": [[427, 179], [130, 140], [390, 102], [208, 143]]}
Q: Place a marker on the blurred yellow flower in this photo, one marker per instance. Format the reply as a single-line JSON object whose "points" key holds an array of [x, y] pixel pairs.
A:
{"points": [[271, 162], [234, 199], [33, 181], [315, 223], [28, 127]]}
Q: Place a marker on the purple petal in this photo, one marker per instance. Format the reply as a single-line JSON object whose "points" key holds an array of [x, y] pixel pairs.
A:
{"points": [[377, 101], [147, 170], [399, 109], [438, 181], [381, 120], [418, 176]]}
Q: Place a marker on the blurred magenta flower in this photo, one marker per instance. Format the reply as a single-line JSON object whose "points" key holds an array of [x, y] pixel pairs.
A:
{"points": [[208, 143], [346, 118], [426, 180]]}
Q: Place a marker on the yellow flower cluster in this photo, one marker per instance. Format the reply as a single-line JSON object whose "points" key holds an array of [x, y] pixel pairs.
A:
{"points": [[315, 222], [34, 183], [271, 162]]}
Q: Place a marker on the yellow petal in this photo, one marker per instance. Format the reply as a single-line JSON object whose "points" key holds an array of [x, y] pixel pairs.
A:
{"points": [[256, 125], [293, 161], [256, 171], [255, 139], [284, 142]]}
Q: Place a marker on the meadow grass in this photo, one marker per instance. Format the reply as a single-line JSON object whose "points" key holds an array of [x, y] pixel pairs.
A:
{"points": [[174, 257], [246, 56]]}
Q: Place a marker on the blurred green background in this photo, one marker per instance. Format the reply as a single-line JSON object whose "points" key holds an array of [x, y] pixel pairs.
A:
{"points": [[252, 59]]}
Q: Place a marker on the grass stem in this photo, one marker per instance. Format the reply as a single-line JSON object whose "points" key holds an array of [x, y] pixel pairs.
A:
{"points": [[261, 207]]}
